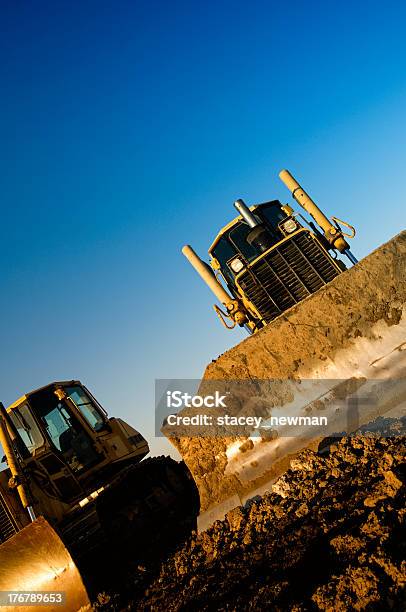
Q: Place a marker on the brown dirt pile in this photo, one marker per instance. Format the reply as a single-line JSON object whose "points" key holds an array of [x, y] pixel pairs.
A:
{"points": [[329, 537], [329, 327]]}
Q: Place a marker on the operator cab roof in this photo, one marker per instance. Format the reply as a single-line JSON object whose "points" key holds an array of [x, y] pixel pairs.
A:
{"points": [[53, 385]]}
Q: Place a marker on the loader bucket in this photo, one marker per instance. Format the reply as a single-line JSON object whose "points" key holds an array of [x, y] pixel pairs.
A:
{"points": [[339, 354], [35, 560]]}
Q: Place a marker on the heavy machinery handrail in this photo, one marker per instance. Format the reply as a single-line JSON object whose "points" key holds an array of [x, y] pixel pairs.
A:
{"points": [[17, 476]]}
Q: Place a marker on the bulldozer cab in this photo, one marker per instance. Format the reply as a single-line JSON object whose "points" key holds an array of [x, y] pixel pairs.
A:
{"points": [[75, 487], [69, 445], [232, 248], [270, 261], [57, 420], [271, 258]]}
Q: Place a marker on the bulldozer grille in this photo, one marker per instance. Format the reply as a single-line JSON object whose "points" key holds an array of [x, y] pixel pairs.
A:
{"points": [[7, 525], [287, 275]]}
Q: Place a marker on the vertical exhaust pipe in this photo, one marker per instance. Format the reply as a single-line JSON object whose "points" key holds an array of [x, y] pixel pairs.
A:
{"points": [[245, 213], [258, 236]]}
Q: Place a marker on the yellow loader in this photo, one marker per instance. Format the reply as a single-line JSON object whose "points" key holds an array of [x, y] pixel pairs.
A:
{"points": [[78, 491]]}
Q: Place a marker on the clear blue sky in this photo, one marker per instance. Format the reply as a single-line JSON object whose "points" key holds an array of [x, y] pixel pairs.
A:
{"points": [[129, 128]]}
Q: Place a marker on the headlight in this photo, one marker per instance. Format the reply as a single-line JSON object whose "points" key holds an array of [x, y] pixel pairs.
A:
{"points": [[289, 226], [236, 265]]}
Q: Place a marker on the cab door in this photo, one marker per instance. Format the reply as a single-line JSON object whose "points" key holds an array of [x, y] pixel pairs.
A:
{"points": [[46, 464], [70, 451]]}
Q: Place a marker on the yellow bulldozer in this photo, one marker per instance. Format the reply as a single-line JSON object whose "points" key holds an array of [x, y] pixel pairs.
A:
{"points": [[76, 481], [319, 333], [270, 258]]}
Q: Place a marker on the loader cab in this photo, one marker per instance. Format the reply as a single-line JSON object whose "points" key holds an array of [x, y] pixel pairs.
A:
{"points": [[60, 419], [68, 441], [233, 250]]}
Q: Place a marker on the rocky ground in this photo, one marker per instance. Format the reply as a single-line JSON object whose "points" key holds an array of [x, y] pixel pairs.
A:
{"points": [[330, 536]]}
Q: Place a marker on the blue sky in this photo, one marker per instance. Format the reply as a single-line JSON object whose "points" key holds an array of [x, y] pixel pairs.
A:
{"points": [[129, 128]]}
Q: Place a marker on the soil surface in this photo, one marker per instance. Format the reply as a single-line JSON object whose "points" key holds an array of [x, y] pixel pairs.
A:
{"points": [[329, 335], [330, 536]]}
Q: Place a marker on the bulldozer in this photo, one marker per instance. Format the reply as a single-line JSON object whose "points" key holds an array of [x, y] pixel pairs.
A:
{"points": [[77, 482], [270, 258], [326, 337]]}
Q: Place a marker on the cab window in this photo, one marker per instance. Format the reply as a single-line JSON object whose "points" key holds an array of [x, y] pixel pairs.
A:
{"points": [[238, 236], [85, 405], [272, 215], [223, 252], [65, 432], [59, 427], [27, 428]]}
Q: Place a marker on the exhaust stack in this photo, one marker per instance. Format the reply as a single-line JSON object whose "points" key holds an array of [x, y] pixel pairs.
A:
{"points": [[245, 213]]}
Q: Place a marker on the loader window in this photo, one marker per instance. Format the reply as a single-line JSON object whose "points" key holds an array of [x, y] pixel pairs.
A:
{"points": [[64, 430], [68, 438], [272, 215], [238, 236], [234, 242], [83, 402], [59, 427], [27, 428], [223, 252]]}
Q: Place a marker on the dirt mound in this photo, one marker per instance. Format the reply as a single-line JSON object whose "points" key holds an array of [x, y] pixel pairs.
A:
{"points": [[353, 328], [329, 537]]}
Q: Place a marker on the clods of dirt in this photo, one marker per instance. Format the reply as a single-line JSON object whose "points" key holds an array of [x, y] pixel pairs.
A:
{"points": [[330, 537]]}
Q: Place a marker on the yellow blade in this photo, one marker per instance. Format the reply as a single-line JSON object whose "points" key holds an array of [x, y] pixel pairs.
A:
{"points": [[35, 559]]}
